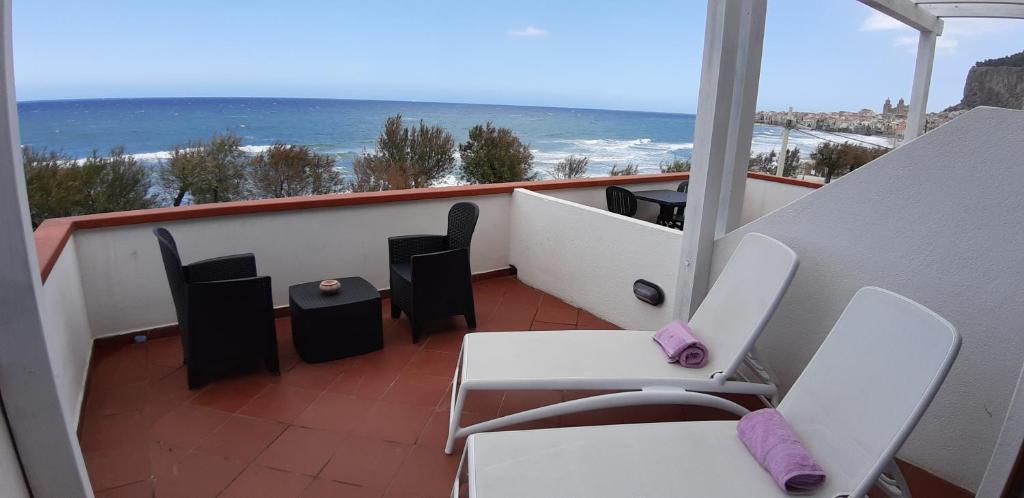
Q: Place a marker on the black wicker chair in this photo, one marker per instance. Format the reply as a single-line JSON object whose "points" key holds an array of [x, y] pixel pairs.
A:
{"points": [[225, 313], [678, 218], [620, 201], [430, 274]]}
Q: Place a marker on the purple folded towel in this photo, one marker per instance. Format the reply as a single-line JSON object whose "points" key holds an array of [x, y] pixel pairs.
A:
{"points": [[680, 344], [777, 448]]}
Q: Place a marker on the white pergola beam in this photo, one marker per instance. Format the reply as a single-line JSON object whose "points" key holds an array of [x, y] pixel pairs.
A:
{"points": [[976, 10], [906, 12], [729, 62], [917, 113]]}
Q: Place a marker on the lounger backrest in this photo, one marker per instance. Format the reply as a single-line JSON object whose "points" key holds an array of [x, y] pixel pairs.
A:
{"points": [[868, 384], [741, 301]]}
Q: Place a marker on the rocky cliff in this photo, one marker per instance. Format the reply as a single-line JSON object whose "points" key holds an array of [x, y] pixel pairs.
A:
{"points": [[998, 83]]}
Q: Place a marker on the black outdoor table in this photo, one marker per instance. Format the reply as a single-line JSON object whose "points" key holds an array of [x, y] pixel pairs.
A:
{"points": [[330, 326], [668, 200]]}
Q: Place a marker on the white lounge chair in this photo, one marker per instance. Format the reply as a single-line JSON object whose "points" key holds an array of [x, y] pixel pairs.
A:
{"points": [[853, 406], [729, 321]]}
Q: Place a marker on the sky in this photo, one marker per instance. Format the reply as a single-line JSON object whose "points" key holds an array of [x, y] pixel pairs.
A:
{"points": [[819, 55]]}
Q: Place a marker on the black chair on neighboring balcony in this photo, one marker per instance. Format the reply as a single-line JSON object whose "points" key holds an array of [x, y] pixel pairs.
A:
{"points": [[620, 201], [225, 313], [679, 217], [430, 274]]}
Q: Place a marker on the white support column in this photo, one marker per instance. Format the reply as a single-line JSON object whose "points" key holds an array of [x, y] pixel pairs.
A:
{"points": [[46, 444], [922, 82], [732, 56], [750, 41]]}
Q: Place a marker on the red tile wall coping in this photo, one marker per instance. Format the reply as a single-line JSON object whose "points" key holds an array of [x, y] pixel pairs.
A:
{"points": [[53, 234]]}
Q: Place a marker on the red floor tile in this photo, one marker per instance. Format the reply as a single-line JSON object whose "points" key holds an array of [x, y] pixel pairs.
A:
{"points": [[118, 399], [312, 376], [366, 462], [241, 438], [418, 389], [426, 473], [280, 402], [165, 351], [397, 422], [229, 395], [364, 382], [141, 489], [300, 450], [554, 310], [539, 325], [436, 363], [117, 467], [263, 482], [187, 425], [368, 425], [587, 321], [393, 358], [323, 488], [335, 413], [197, 475], [448, 342]]}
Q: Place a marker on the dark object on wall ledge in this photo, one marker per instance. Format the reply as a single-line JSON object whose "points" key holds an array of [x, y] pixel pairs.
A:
{"points": [[648, 292]]}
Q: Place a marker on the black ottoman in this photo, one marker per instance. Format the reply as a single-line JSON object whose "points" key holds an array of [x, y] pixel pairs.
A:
{"points": [[327, 327]]}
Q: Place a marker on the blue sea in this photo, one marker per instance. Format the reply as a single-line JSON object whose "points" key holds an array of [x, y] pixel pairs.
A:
{"points": [[149, 128]]}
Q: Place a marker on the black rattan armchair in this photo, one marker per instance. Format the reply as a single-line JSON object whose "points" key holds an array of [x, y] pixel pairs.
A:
{"points": [[225, 313], [620, 201], [430, 274]]}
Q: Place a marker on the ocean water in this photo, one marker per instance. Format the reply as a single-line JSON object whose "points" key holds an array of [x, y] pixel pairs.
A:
{"points": [[149, 128]]}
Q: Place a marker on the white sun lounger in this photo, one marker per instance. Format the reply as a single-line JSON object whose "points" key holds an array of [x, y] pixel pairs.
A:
{"points": [[728, 321], [853, 406]]}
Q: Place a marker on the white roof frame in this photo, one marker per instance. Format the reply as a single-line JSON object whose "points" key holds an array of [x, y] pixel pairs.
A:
{"points": [[926, 16]]}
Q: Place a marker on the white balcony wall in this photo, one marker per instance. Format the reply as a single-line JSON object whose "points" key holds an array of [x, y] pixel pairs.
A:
{"points": [[66, 325], [761, 197], [937, 220], [594, 197], [590, 257], [126, 288]]}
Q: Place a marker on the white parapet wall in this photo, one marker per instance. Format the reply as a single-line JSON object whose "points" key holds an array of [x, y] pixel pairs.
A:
{"points": [[68, 335], [590, 257], [939, 221], [126, 289]]}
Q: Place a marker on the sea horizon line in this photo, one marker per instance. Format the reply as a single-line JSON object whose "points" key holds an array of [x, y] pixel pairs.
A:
{"points": [[340, 99]]}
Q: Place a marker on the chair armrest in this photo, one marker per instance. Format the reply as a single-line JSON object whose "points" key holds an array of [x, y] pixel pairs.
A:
{"points": [[401, 249], [220, 311], [222, 268], [441, 266]]}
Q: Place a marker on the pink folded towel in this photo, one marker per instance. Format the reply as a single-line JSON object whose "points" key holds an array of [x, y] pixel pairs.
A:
{"points": [[775, 446], [680, 344]]}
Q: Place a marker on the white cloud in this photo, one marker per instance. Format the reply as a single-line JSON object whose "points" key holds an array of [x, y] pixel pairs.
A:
{"points": [[943, 44], [878, 21], [529, 32]]}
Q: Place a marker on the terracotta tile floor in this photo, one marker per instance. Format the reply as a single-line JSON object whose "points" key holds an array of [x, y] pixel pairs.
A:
{"points": [[367, 426]]}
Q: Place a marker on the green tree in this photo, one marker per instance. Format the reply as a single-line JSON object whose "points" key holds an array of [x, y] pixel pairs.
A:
{"points": [[495, 155], [116, 182], [405, 158], [833, 160], [571, 167], [52, 183], [629, 169], [676, 166], [768, 162], [59, 186], [292, 170], [211, 171]]}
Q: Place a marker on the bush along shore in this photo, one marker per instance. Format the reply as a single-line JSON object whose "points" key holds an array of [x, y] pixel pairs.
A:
{"points": [[219, 169]]}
